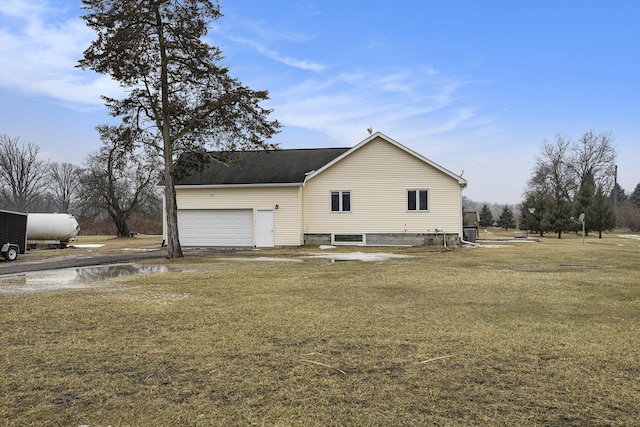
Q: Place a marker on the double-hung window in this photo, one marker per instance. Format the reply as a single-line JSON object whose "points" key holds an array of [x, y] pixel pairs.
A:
{"points": [[417, 200], [341, 201]]}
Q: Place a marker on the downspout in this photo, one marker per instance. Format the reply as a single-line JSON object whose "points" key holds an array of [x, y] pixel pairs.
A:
{"points": [[444, 236]]}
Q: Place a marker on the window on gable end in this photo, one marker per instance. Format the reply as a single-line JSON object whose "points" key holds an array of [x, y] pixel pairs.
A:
{"points": [[417, 200]]}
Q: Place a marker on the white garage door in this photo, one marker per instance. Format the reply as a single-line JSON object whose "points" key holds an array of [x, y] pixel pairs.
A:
{"points": [[216, 227]]}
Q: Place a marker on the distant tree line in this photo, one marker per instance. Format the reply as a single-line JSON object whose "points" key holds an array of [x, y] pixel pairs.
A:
{"points": [[114, 185], [570, 177], [627, 208], [117, 184]]}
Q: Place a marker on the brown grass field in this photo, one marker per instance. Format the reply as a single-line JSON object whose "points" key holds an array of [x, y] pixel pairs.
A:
{"points": [[522, 334]]}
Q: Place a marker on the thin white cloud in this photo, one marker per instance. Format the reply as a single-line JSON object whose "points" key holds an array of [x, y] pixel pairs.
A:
{"points": [[302, 64], [457, 118], [21, 8], [408, 102], [38, 54], [307, 9], [424, 111], [396, 82]]}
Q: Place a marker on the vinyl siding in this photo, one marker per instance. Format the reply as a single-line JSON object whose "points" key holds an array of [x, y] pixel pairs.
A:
{"points": [[287, 217], [378, 176]]}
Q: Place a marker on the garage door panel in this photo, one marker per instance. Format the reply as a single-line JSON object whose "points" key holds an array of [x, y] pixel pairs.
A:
{"points": [[216, 227]]}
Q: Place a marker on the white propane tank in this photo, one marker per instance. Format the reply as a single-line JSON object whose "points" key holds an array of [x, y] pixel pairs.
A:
{"points": [[51, 228]]}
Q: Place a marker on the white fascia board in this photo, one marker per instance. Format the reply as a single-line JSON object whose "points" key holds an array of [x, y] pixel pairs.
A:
{"points": [[288, 184]]}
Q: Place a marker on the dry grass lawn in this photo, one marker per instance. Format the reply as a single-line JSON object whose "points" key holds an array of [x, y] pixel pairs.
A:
{"points": [[524, 334]]}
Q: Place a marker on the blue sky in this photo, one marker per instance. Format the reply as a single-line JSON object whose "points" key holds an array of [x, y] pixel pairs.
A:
{"points": [[475, 86]]}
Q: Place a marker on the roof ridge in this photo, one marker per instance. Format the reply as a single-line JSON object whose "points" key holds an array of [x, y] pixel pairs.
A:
{"points": [[281, 149]]}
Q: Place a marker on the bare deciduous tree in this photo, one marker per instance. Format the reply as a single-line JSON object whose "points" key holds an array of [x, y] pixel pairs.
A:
{"points": [[594, 155], [118, 179], [553, 185], [22, 174], [64, 186]]}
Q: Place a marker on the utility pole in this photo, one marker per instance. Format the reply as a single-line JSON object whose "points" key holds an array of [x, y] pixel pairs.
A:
{"points": [[615, 188]]}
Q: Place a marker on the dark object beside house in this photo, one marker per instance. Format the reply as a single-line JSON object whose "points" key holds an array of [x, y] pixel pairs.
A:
{"points": [[13, 234], [470, 224]]}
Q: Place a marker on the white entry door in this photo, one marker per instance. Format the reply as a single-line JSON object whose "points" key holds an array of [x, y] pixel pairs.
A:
{"points": [[265, 236]]}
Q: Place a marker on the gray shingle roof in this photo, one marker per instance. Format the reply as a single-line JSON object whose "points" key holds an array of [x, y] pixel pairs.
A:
{"points": [[254, 167]]}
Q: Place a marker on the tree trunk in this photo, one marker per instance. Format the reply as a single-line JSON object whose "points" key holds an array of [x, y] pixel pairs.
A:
{"points": [[174, 250], [123, 227]]}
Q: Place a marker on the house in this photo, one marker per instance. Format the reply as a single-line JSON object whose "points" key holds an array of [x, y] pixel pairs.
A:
{"points": [[376, 193]]}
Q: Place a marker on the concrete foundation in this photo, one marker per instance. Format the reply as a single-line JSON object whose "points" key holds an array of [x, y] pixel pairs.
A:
{"points": [[389, 239]]}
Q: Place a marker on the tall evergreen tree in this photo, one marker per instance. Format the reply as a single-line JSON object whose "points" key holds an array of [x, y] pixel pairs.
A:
{"points": [[600, 216], [557, 215], [531, 211], [486, 217], [584, 197], [506, 219], [536, 200], [635, 196], [620, 193], [179, 98]]}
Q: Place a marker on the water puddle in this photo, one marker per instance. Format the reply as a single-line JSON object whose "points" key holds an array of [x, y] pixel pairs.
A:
{"points": [[630, 236], [73, 278], [261, 258], [356, 256], [325, 257]]}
